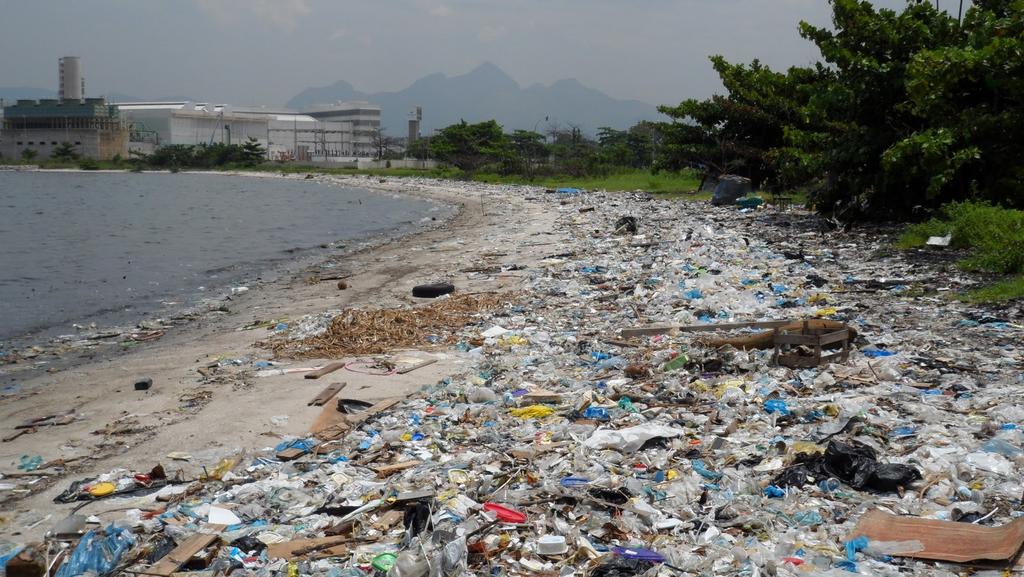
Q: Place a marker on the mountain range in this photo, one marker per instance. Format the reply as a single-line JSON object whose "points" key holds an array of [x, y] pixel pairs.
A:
{"points": [[484, 93]]}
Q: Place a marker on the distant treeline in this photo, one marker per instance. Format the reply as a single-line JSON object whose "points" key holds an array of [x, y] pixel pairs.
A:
{"points": [[219, 154], [564, 151]]}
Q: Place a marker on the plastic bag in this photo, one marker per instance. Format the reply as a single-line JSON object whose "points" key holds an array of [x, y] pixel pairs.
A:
{"points": [[630, 439], [98, 554]]}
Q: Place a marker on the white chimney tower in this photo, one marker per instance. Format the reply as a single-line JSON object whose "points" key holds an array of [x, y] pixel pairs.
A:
{"points": [[72, 85]]}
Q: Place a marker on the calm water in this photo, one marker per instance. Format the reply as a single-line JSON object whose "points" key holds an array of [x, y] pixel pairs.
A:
{"points": [[112, 248]]}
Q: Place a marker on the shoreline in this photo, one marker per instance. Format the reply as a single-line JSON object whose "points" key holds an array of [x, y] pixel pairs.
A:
{"points": [[56, 347], [116, 426]]}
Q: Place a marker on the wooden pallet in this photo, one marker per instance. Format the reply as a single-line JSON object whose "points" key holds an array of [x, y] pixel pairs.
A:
{"points": [[817, 339]]}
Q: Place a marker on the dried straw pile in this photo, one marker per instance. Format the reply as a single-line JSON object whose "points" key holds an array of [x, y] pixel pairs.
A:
{"points": [[376, 331]]}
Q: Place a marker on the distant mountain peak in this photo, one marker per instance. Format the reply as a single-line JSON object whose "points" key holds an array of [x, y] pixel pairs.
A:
{"points": [[487, 68], [488, 74], [487, 92]]}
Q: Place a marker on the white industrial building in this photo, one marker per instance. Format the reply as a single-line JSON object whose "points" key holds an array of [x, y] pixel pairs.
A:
{"points": [[342, 132]]}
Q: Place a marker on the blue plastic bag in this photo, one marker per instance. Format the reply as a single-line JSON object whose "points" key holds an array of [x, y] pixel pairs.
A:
{"points": [[98, 554], [776, 406]]}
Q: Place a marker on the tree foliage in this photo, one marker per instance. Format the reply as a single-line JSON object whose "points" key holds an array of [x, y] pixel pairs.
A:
{"points": [[561, 150], [207, 155], [470, 146], [743, 131], [65, 151], [906, 108]]}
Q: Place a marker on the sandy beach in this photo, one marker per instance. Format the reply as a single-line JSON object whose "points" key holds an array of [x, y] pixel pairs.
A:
{"points": [[117, 426]]}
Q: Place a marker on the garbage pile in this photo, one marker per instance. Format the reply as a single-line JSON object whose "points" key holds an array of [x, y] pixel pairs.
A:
{"points": [[570, 445]]}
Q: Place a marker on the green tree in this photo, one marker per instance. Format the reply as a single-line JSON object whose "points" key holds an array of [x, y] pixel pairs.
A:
{"points": [[64, 151], [742, 131], [969, 96], [171, 156], [28, 154], [574, 154], [860, 103], [470, 146], [529, 150], [418, 149], [253, 152]]}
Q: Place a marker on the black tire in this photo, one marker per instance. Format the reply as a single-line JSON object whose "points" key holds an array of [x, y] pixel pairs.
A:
{"points": [[433, 290]]}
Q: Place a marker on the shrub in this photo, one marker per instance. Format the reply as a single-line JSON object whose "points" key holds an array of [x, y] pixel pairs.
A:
{"points": [[994, 235]]}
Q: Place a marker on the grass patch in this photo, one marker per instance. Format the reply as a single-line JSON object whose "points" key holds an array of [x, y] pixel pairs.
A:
{"points": [[629, 180], [1002, 291], [993, 235]]}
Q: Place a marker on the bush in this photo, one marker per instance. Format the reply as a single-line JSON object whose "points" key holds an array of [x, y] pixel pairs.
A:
{"points": [[994, 235], [88, 164]]}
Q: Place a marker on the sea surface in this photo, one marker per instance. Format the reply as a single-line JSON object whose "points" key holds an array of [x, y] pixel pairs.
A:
{"points": [[114, 248]]}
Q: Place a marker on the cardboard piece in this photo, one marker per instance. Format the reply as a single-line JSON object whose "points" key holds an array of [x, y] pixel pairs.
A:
{"points": [[291, 453], [942, 540], [300, 547]]}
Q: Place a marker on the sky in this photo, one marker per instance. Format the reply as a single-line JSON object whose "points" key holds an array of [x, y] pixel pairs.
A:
{"points": [[266, 51]]}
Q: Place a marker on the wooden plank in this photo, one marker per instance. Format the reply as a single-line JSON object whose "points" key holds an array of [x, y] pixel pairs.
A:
{"points": [[419, 365], [326, 395], [662, 329], [373, 410], [835, 337], [329, 418], [182, 553], [388, 520], [620, 343], [388, 470], [299, 547], [796, 339], [17, 434], [332, 424], [329, 368]]}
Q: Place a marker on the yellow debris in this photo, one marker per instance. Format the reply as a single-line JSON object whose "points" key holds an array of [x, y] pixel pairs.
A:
{"points": [[532, 412]]}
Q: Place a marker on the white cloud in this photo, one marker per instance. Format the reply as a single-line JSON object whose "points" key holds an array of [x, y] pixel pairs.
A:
{"points": [[284, 14]]}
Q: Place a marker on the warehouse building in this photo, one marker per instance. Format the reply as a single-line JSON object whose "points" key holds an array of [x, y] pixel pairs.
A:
{"points": [[287, 135]]}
